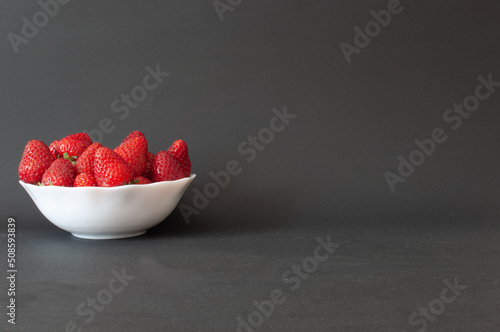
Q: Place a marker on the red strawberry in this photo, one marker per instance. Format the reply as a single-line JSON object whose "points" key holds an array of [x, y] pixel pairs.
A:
{"points": [[149, 165], [60, 173], [135, 133], [85, 164], [35, 161], [135, 151], [140, 180], [54, 148], [74, 144], [179, 151], [166, 168], [84, 180], [110, 169]]}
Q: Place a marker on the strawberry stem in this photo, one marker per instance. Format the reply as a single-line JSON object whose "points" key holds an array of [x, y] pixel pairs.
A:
{"points": [[72, 158]]}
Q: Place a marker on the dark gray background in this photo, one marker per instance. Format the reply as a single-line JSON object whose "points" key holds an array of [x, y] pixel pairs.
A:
{"points": [[322, 175]]}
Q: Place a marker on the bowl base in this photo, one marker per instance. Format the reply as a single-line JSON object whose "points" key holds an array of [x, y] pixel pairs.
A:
{"points": [[107, 236]]}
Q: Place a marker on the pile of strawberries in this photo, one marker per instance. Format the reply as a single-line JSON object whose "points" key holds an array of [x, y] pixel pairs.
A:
{"points": [[75, 161]]}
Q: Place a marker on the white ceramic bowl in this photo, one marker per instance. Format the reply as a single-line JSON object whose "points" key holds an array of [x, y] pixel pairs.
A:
{"points": [[108, 213]]}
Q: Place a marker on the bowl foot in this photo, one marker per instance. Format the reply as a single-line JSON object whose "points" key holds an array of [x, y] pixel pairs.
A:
{"points": [[107, 236]]}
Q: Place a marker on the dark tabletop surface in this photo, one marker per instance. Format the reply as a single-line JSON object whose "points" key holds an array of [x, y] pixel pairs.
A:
{"points": [[204, 278], [373, 208]]}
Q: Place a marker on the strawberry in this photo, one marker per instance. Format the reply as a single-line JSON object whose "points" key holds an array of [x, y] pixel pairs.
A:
{"points": [[35, 161], [84, 180], [149, 165], [60, 173], [85, 164], [179, 151], [166, 168], [140, 180], [110, 169], [134, 150], [74, 144], [54, 148], [135, 133]]}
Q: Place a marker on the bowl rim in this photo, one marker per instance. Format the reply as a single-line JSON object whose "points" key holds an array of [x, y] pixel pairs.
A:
{"points": [[117, 188]]}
